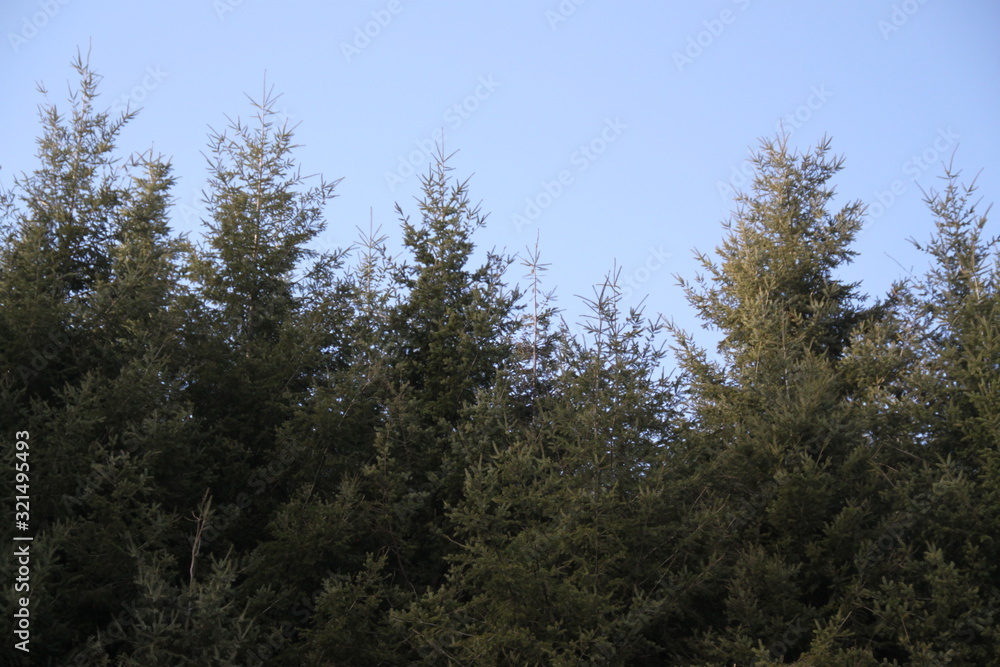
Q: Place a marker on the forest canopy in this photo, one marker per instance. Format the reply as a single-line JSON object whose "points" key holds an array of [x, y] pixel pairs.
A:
{"points": [[244, 451]]}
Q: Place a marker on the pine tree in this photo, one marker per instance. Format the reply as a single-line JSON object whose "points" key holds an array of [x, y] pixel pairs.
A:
{"points": [[566, 516], [57, 248], [89, 268], [266, 314], [446, 329], [787, 470], [448, 333], [407, 462], [193, 621], [939, 602]]}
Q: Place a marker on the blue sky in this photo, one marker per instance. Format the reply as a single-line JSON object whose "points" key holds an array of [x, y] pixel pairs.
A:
{"points": [[614, 131]]}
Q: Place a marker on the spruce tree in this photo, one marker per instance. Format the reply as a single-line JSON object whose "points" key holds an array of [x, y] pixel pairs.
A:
{"points": [[264, 319], [89, 282], [447, 328], [568, 511], [939, 602], [788, 475]]}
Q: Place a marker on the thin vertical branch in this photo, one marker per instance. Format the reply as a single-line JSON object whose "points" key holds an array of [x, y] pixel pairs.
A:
{"points": [[201, 520]]}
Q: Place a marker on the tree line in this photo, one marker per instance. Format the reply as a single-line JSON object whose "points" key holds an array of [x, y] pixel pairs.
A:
{"points": [[248, 452]]}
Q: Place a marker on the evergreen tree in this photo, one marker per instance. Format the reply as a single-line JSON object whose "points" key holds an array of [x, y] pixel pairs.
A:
{"points": [[57, 246], [448, 328], [88, 283], [787, 472], [266, 315], [404, 462], [567, 515], [939, 602]]}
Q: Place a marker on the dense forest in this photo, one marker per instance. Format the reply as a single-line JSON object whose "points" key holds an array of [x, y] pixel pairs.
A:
{"points": [[247, 452]]}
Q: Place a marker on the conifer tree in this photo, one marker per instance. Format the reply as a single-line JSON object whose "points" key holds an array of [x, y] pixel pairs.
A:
{"points": [[89, 267], [566, 515], [267, 316], [448, 333], [939, 602], [59, 234], [194, 620], [448, 327], [787, 475], [404, 462]]}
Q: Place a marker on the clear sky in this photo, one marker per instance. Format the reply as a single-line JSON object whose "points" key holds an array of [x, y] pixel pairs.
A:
{"points": [[611, 129]]}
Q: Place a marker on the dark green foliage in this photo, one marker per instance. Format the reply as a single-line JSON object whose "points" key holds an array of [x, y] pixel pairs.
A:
{"points": [[247, 452], [88, 280], [940, 602], [568, 515], [790, 474], [265, 317]]}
